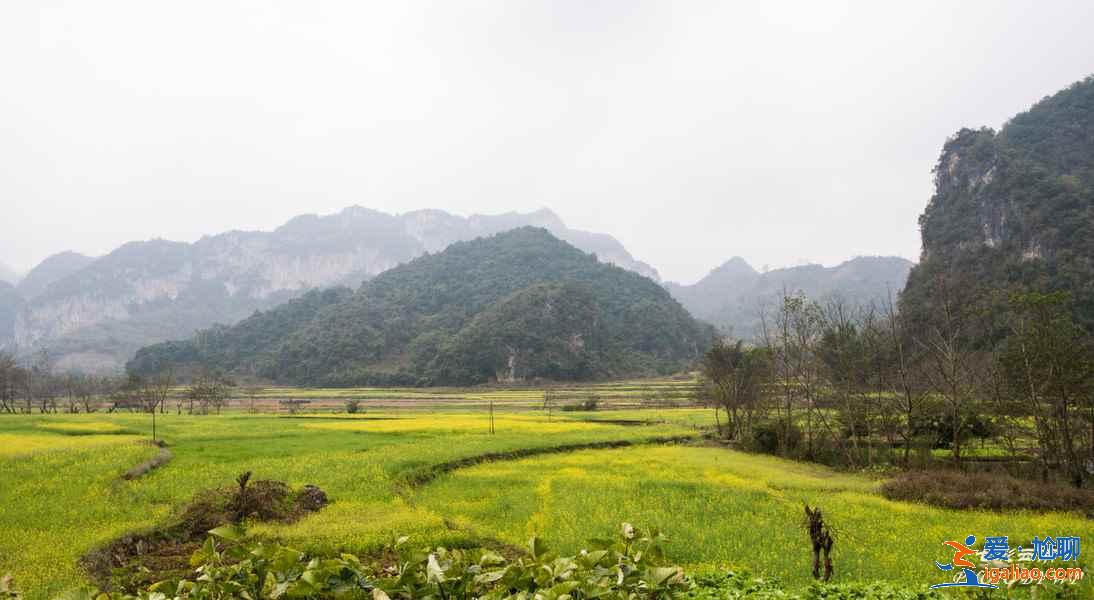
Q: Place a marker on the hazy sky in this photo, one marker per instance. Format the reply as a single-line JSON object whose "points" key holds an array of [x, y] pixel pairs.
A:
{"points": [[692, 131]]}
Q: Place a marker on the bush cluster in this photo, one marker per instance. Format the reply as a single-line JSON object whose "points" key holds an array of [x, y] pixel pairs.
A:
{"points": [[954, 489]]}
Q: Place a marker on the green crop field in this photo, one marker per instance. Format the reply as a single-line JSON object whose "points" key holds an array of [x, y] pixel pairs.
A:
{"points": [[722, 507], [62, 493], [644, 393]]}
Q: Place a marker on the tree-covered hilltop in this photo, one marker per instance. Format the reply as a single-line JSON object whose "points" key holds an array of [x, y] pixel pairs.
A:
{"points": [[92, 314], [1012, 211], [518, 305], [236, 348]]}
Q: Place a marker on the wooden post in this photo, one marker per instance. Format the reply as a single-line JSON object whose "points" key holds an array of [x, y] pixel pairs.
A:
{"points": [[491, 417]]}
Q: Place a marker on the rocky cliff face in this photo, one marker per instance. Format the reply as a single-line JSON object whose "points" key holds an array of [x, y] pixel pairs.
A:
{"points": [[92, 314], [1013, 210]]}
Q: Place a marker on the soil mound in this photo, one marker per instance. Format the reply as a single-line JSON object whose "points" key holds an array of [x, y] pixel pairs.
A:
{"points": [[139, 558]]}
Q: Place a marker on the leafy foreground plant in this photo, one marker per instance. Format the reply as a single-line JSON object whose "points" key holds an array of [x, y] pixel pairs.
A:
{"points": [[743, 585], [628, 568]]}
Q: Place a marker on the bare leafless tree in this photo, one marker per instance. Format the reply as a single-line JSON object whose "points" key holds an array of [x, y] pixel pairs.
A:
{"points": [[947, 361]]}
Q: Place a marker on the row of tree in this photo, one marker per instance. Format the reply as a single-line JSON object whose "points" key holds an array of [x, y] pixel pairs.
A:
{"points": [[36, 386], [862, 385]]}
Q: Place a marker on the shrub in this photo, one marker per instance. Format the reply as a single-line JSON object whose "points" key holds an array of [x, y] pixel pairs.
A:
{"points": [[589, 404], [939, 429], [767, 436], [353, 406], [953, 489], [585, 405]]}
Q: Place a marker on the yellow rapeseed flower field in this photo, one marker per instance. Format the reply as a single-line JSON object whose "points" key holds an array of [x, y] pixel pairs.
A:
{"points": [[722, 508], [61, 493]]}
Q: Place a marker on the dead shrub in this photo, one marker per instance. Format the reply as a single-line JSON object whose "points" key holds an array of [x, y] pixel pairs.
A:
{"points": [[139, 558], [954, 489]]}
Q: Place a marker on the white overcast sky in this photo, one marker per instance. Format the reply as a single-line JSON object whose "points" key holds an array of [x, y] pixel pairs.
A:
{"points": [[691, 131]]}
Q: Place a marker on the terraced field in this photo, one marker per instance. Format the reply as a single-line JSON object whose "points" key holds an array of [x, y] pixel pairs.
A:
{"points": [[419, 473], [650, 393], [63, 494]]}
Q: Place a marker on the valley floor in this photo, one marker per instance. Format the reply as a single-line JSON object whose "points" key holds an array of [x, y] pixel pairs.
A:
{"points": [[62, 493]]}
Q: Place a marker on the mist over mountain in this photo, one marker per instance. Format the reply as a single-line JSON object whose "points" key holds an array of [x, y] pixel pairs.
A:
{"points": [[11, 303], [92, 314], [732, 295], [53, 268], [1013, 210], [8, 275], [514, 306]]}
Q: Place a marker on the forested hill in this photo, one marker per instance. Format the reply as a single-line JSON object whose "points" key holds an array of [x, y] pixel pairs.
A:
{"points": [[515, 306], [1012, 211]]}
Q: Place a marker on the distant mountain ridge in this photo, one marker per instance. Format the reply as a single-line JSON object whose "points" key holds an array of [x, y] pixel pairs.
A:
{"points": [[92, 314], [53, 268], [732, 295], [514, 306]]}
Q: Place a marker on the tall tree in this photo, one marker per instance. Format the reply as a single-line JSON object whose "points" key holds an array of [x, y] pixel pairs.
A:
{"points": [[734, 376], [1050, 365]]}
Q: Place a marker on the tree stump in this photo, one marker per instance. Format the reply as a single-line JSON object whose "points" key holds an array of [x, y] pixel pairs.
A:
{"points": [[821, 537]]}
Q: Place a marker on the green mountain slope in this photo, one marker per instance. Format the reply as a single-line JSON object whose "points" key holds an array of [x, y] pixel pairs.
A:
{"points": [[518, 305], [1012, 210]]}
